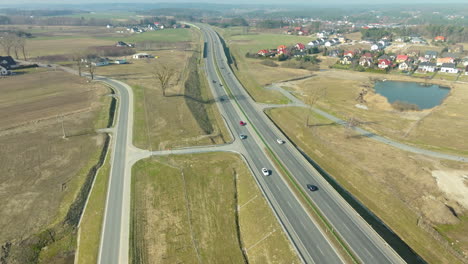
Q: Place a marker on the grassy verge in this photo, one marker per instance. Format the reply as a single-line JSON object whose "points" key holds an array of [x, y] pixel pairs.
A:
{"points": [[201, 207], [371, 178], [251, 72], [91, 223]]}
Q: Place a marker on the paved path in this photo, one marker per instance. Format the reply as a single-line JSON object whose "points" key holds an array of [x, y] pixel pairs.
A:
{"points": [[296, 102]]}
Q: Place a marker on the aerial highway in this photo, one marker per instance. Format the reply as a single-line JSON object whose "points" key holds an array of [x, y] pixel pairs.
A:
{"points": [[310, 241], [364, 242]]}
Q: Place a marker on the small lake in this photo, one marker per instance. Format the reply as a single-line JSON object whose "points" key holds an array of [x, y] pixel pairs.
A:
{"points": [[415, 93]]}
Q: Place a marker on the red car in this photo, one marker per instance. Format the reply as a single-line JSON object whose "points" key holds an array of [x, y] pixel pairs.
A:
{"points": [[242, 123]]}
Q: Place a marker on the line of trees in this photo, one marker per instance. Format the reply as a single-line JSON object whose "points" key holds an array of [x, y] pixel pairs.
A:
{"points": [[13, 44]]}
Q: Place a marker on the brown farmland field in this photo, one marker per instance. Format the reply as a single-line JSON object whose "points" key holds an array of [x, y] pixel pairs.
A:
{"points": [[40, 171]]}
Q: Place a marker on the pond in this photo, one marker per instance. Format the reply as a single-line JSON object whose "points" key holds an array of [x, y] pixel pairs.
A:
{"points": [[424, 96]]}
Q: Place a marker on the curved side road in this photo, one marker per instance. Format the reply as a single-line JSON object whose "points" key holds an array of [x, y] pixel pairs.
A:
{"points": [[296, 102]]}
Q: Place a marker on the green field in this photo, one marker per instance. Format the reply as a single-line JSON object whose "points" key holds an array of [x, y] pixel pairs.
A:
{"points": [[202, 207], [166, 35]]}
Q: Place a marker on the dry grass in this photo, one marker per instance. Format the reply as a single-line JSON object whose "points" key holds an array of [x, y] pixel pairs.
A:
{"points": [[41, 172], [62, 46], [415, 127], [165, 122], [184, 209], [386, 189]]}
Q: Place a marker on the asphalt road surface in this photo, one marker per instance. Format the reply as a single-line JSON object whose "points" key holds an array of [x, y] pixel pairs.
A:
{"points": [[365, 243]]}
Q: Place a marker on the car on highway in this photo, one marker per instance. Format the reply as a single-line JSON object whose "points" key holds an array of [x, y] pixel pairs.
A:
{"points": [[312, 187], [214, 81], [242, 123], [265, 171], [242, 136], [280, 141]]}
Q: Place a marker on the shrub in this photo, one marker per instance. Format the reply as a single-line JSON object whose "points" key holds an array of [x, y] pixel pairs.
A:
{"points": [[404, 106], [269, 63]]}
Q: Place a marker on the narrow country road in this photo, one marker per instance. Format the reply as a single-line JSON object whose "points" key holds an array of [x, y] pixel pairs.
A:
{"points": [[296, 102]]}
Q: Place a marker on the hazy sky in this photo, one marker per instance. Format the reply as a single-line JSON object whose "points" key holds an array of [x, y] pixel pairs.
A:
{"points": [[266, 2]]}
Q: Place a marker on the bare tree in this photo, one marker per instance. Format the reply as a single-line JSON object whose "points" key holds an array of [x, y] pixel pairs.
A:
{"points": [[21, 46], [312, 100], [78, 59], [360, 97], [351, 123], [7, 41], [163, 74], [91, 68]]}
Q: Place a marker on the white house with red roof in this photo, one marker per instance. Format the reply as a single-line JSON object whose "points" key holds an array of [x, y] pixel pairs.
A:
{"points": [[300, 46], [349, 53], [262, 52], [384, 63], [401, 58], [281, 49]]}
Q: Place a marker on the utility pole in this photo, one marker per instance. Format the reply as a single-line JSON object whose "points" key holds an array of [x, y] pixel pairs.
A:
{"points": [[63, 128]]}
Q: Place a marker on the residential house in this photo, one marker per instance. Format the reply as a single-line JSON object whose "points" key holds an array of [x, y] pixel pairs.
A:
{"points": [[300, 46], [366, 62], [427, 67], [377, 46], [384, 57], [423, 59], [405, 66], [367, 55], [342, 39], [281, 49], [439, 39], [313, 43], [263, 52], [441, 61], [100, 62], [97, 62], [449, 68], [384, 63], [464, 61], [122, 61], [417, 40], [4, 71], [141, 56], [431, 54], [322, 34], [346, 60], [401, 58], [466, 70], [349, 53], [7, 62], [329, 43]]}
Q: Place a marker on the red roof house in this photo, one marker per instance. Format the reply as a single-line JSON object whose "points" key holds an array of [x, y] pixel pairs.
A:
{"points": [[262, 52], [349, 53], [367, 55], [300, 46], [281, 49], [439, 38], [384, 63], [401, 58]]}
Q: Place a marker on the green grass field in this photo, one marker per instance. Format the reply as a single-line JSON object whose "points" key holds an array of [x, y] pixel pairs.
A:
{"points": [[186, 208], [166, 35]]}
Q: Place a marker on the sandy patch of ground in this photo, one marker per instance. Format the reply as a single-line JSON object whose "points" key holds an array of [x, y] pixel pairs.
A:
{"points": [[454, 183]]}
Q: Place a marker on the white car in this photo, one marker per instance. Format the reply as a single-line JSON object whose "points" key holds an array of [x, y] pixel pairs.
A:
{"points": [[265, 172], [280, 141]]}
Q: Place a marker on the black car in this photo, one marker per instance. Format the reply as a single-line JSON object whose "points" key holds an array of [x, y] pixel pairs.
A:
{"points": [[312, 187]]}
